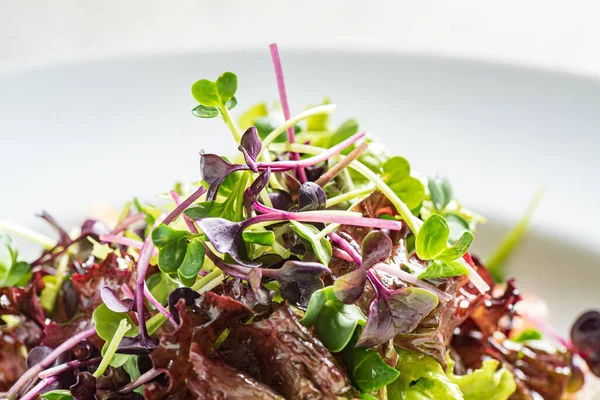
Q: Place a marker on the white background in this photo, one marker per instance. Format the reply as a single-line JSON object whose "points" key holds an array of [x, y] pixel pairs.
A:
{"points": [[552, 34]]}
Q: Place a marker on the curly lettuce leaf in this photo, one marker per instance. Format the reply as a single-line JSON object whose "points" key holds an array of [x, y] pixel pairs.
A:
{"points": [[485, 383], [421, 378]]}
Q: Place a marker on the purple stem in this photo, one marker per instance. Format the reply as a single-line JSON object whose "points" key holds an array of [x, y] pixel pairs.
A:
{"points": [[140, 283], [347, 247], [123, 241], [71, 365], [190, 224], [341, 254], [184, 204], [33, 372], [279, 166], [285, 105], [413, 280], [271, 214], [127, 222], [44, 383], [142, 379], [126, 291], [159, 306]]}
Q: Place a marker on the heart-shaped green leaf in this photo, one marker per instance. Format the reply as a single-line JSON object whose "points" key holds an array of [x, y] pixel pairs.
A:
{"points": [[320, 246], [432, 238]]}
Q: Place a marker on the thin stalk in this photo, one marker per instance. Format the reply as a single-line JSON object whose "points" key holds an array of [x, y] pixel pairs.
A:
{"points": [[413, 222], [413, 280], [44, 383], [31, 235], [141, 380], [150, 297], [347, 247], [230, 124], [285, 105], [124, 241], [290, 122], [33, 372], [339, 253], [127, 222], [68, 366], [342, 198], [327, 230], [184, 205], [190, 224], [315, 216], [112, 347], [340, 166]]}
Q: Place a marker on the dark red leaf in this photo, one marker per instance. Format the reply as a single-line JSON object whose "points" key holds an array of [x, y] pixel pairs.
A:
{"points": [[21, 301]]}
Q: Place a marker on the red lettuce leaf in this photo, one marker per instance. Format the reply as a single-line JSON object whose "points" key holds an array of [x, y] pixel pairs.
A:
{"points": [[22, 301]]}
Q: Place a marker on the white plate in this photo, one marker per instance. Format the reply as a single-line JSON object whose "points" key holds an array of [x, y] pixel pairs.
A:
{"points": [[104, 130]]}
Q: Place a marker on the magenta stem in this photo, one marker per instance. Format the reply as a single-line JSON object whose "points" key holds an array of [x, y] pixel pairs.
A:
{"points": [[127, 291], [347, 247], [33, 372], [123, 241], [184, 204], [142, 379], [127, 222], [44, 383], [271, 214], [190, 224], [284, 104], [71, 365], [307, 162], [152, 300]]}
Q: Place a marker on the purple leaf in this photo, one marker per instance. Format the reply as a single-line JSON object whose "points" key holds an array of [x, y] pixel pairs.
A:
{"points": [[94, 227], [395, 312], [112, 301], [250, 146], [376, 248], [226, 237], [281, 200], [252, 193], [187, 294], [298, 280], [85, 387], [140, 344], [214, 170], [348, 288], [311, 197], [37, 354]]}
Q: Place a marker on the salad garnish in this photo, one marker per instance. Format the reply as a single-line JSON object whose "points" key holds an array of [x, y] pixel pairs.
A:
{"points": [[310, 264]]}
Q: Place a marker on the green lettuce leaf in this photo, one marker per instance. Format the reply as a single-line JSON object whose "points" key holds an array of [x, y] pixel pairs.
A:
{"points": [[421, 378], [485, 383]]}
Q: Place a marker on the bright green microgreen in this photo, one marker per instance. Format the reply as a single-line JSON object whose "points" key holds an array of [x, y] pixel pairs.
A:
{"points": [[12, 271], [396, 173], [107, 325], [132, 368], [320, 245], [161, 285], [179, 251], [59, 394], [527, 335], [440, 192], [336, 324], [111, 350]]}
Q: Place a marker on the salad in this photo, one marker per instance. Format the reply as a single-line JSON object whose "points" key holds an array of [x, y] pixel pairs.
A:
{"points": [[312, 264]]}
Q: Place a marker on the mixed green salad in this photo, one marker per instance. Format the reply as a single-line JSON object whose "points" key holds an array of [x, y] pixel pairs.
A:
{"points": [[312, 264]]}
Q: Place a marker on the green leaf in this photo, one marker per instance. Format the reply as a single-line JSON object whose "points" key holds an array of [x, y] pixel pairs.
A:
{"points": [[432, 238], [343, 132], [60, 394], [458, 249], [205, 93], [410, 190], [320, 246], [264, 238], [107, 322], [249, 117], [421, 378], [367, 370], [178, 251], [161, 285], [319, 122], [440, 269], [231, 103], [205, 209], [336, 323], [132, 368], [12, 271], [395, 169], [206, 112], [440, 192], [18, 275], [527, 335], [486, 383], [315, 304], [226, 86]]}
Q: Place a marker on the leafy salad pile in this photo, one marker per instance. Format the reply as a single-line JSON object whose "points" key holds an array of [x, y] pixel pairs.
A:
{"points": [[311, 265]]}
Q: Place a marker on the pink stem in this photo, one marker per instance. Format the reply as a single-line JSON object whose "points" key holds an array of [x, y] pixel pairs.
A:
{"points": [[184, 204], [285, 105], [271, 214], [71, 365], [347, 247], [159, 306], [413, 280], [44, 383], [123, 241], [190, 224], [307, 162], [142, 379], [33, 372], [127, 222], [341, 254]]}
